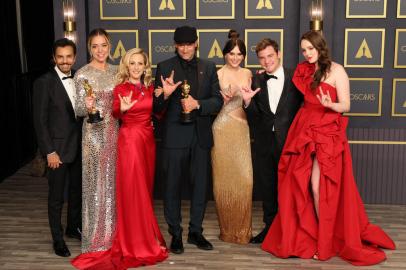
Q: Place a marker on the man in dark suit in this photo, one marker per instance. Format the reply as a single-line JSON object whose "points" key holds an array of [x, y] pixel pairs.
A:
{"points": [[59, 138], [270, 109], [186, 146]]}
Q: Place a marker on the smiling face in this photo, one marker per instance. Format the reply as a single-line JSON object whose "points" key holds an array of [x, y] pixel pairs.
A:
{"points": [[64, 58], [269, 59], [186, 50], [234, 57], [136, 67], [309, 52], [99, 49]]}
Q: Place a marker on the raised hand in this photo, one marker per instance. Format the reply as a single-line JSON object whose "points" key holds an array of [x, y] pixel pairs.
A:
{"points": [[227, 94], [247, 94], [168, 85], [325, 99], [126, 103], [158, 91]]}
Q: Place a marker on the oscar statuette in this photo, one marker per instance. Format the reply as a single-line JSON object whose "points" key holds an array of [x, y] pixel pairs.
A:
{"points": [[93, 113], [186, 116]]}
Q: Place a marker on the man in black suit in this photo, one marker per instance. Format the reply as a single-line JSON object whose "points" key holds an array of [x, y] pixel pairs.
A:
{"points": [[270, 109], [59, 138], [186, 147]]}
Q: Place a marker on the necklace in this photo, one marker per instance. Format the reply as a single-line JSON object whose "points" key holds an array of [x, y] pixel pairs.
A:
{"points": [[138, 86]]}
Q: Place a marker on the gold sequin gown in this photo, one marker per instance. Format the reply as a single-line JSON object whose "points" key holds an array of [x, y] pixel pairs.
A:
{"points": [[232, 172], [99, 142]]}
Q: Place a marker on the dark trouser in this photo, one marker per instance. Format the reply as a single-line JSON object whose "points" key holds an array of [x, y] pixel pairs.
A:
{"points": [[185, 163], [56, 184], [266, 173]]}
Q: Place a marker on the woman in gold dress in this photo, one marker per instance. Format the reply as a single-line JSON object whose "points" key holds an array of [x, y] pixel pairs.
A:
{"points": [[231, 154], [99, 142]]}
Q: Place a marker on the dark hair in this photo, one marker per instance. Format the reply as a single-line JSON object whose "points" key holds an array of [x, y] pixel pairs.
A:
{"points": [[63, 42], [265, 43], [233, 41], [324, 61]]}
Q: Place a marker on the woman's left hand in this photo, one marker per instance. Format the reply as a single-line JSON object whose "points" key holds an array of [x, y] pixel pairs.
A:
{"points": [[325, 99]]}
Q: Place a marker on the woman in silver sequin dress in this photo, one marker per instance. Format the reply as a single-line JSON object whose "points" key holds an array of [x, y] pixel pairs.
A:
{"points": [[231, 154], [99, 142]]}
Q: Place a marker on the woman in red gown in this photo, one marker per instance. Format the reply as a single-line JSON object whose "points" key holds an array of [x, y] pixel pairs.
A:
{"points": [[138, 240], [321, 213]]}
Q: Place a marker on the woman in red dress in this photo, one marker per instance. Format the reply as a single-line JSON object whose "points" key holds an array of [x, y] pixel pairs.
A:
{"points": [[321, 213], [138, 240]]}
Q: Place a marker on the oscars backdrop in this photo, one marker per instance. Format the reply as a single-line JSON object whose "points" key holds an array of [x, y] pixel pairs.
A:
{"points": [[367, 37]]}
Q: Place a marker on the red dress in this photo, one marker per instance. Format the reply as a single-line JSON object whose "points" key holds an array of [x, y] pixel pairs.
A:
{"points": [[343, 228], [138, 240]]}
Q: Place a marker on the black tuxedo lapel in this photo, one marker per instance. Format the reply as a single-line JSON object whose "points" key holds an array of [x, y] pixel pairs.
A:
{"points": [[284, 95], [200, 77], [263, 94], [60, 88]]}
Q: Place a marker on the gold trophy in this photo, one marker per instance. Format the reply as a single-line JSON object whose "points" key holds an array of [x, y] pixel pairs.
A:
{"points": [[93, 113], [186, 116]]}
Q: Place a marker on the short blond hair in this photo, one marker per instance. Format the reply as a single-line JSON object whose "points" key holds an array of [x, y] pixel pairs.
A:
{"points": [[123, 74]]}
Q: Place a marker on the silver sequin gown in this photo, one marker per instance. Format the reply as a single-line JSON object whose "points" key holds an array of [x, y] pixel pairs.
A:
{"points": [[99, 142]]}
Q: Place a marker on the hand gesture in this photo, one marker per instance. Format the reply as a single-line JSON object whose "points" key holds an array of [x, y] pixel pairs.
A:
{"points": [[168, 85], [325, 99], [53, 161], [158, 91], [126, 103], [247, 93], [89, 102], [227, 94]]}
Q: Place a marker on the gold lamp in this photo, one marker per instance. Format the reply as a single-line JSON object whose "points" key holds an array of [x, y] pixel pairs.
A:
{"points": [[69, 24], [316, 15]]}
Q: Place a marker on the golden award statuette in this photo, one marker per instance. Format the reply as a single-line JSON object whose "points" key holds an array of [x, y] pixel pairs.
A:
{"points": [[93, 113], [186, 116]]}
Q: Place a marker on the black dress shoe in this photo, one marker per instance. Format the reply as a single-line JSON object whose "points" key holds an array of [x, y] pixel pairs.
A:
{"points": [[61, 249], [75, 233], [259, 238], [199, 240], [176, 245]]}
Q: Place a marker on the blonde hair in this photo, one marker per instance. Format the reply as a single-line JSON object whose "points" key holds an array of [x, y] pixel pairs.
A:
{"points": [[123, 74], [94, 33]]}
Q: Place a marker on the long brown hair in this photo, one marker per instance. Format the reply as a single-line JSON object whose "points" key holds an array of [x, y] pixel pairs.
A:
{"points": [[324, 61]]}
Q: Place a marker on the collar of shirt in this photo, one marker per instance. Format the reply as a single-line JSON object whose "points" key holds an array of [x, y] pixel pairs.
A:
{"points": [[278, 73], [60, 73]]}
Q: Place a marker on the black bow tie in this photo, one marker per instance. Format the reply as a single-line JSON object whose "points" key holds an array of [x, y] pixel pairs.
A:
{"points": [[67, 77], [268, 76]]}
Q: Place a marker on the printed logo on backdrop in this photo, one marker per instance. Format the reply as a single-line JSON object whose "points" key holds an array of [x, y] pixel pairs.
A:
{"points": [[215, 9], [401, 10], [211, 44], [365, 96], [122, 41], [364, 47], [118, 9], [400, 49], [166, 9], [264, 9], [161, 46], [399, 97], [366, 9], [253, 36]]}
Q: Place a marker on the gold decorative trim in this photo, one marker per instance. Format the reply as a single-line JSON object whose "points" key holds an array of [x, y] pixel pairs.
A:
{"points": [[102, 17], [379, 142], [198, 16], [150, 42], [379, 113], [400, 16], [150, 17], [281, 16], [208, 31], [395, 80], [347, 30], [395, 61], [347, 12]]}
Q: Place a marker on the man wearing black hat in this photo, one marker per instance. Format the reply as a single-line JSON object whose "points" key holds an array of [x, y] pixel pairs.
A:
{"points": [[187, 141]]}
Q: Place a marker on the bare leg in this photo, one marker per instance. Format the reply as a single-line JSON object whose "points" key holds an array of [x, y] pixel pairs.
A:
{"points": [[315, 182]]}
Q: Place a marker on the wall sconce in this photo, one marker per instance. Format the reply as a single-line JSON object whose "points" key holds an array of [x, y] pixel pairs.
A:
{"points": [[316, 15], [69, 24]]}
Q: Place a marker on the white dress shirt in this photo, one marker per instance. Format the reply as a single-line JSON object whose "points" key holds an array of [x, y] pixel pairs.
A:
{"points": [[275, 87], [68, 84]]}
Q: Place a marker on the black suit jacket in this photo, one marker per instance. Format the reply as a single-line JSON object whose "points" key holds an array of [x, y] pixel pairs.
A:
{"points": [[178, 135], [262, 119], [56, 126]]}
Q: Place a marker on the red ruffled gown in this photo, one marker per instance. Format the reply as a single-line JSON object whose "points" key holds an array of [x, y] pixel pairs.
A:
{"points": [[343, 228], [138, 240]]}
